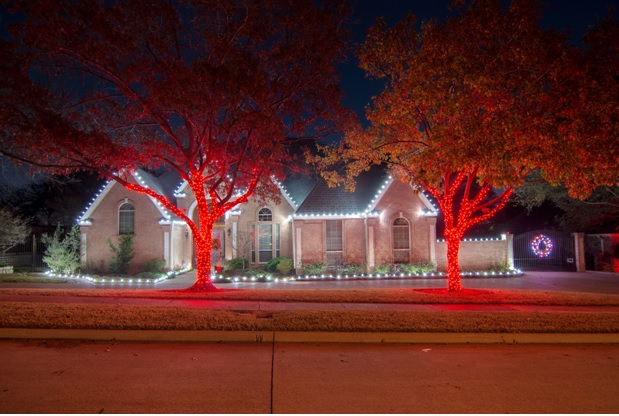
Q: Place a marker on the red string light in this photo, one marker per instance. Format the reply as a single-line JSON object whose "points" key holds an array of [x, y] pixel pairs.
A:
{"points": [[458, 220]]}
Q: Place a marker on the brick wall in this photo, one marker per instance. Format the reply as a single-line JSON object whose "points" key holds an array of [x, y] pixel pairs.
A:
{"points": [[400, 201], [148, 240], [475, 255]]}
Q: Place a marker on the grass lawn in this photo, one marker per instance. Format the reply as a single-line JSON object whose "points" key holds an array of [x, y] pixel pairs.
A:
{"points": [[26, 314]]}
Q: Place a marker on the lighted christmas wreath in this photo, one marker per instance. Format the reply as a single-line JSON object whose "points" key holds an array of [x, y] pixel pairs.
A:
{"points": [[542, 246]]}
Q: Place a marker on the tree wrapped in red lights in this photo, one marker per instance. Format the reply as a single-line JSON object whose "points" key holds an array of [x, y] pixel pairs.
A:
{"points": [[218, 90], [471, 107]]}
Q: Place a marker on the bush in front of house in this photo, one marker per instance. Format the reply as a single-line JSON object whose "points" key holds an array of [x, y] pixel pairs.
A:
{"points": [[313, 269], [415, 268], [351, 269], [501, 267], [236, 264], [285, 265], [154, 266], [148, 275], [123, 254], [279, 264], [384, 268], [272, 264], [62, 253]]}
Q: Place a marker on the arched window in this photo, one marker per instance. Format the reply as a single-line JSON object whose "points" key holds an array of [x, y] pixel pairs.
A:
{"points": [[401, 241], [265, 215], [266, 241], [126, 218]]}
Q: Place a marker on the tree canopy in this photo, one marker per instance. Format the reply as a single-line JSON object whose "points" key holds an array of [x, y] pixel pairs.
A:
{"points": [[475, 104], [218, 90]]}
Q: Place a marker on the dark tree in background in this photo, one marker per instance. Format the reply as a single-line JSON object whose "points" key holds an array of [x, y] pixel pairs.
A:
{"points": [[217, 90]]}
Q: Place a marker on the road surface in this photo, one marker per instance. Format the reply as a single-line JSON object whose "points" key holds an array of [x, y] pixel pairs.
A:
{"points": [[79, 377]]}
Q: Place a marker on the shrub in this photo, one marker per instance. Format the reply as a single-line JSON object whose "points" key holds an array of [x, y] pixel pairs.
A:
{"points": [[285, 265], [237, 263], [415, 268], [148, 275], [313, 269], [384, 268], [351, 269], [123, 254], [272, 264], [500, 267], [62, 254], [154, 266]]}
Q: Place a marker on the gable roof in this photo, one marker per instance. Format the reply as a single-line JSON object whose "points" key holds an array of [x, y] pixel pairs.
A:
{"points": [[144, 178], [308, 196], [326, 201], [296, 188]]}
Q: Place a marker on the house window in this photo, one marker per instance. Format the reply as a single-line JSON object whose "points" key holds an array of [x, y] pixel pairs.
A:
{"points": [[266, 239], [265, 215], [335, 246], [126, 218], [401, 241]]}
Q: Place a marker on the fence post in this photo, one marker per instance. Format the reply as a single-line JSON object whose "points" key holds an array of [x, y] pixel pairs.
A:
{"points": [[34, 250], [510, 249], [579, 251]]}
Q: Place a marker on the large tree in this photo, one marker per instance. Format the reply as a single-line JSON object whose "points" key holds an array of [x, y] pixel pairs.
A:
{"points": [[471, 107], [218, 90], [598, 213]]}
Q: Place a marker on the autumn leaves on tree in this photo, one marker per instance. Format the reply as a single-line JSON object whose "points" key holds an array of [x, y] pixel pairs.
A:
{"points": [[475, 104], [220, 90]]}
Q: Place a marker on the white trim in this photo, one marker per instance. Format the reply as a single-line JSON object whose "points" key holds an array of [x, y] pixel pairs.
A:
{"points": [[381, 192], [433, 210], [371, 259], [299, 250], [234, 239], [95, 203], [179, 192], [372, 214], [166, 248], [84, 249], [158, 204]]}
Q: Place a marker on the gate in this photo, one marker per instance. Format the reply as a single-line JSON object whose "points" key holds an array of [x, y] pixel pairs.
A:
{"points": [[544, 250], [30, 253]]}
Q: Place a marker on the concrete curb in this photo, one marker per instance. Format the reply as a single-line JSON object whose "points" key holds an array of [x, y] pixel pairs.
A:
{"points": [[304, 337]]}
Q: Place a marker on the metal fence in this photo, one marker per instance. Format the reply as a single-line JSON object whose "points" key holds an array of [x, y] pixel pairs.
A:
{"points": [[30, 253], [544, 250]]}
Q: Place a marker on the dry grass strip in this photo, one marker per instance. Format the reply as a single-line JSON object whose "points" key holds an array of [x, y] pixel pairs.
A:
{"points": [[124, 317]]}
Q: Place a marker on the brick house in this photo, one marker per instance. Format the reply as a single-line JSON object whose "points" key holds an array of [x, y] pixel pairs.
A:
{"points": [[383, 221]]}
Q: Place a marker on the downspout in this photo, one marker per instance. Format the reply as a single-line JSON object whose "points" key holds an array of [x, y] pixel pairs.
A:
{"points": [[294, 245], [172, 246], [366, 243]]}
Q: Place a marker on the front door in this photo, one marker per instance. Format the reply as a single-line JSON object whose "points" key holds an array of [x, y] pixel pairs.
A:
{"points": [[217, 255]]}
